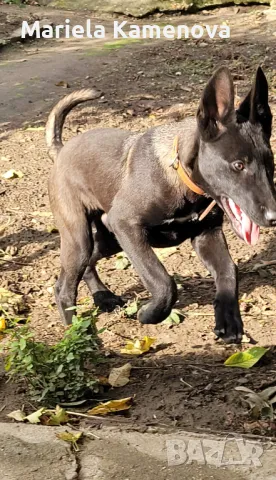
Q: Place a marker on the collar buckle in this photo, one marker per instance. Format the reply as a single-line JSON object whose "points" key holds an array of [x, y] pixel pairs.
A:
{"points": [[175, 162]]}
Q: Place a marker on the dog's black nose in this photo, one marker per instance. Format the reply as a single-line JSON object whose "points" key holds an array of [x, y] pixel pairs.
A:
{"points": [[270, 215]]}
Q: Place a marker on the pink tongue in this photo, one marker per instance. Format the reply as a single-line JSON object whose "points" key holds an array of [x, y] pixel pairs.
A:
{"points": [[250, 230]]}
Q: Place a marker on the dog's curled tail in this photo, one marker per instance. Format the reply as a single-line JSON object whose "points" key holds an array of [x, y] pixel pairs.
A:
{"points": [[58, 114]]}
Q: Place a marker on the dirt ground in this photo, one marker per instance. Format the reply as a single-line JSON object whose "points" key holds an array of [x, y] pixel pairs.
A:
{"points": [[182, 382]]}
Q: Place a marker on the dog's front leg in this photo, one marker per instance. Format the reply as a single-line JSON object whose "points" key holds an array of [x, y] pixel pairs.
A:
{"points": [[212, 249], [132, 238]]}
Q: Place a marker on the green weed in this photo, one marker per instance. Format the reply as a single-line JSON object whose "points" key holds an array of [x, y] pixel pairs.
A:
{"points": [[55, 373]]}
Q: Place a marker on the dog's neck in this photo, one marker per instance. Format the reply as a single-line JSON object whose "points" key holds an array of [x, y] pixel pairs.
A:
{"points": [[188, 155]]}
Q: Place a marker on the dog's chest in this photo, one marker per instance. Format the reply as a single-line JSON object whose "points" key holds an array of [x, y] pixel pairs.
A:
{"points": [[184, 224]]}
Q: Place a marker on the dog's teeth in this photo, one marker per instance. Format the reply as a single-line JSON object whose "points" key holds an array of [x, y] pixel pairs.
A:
{"points": [[234, 209]]}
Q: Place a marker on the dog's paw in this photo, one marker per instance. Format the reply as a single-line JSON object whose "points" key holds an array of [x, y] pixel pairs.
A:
{"points": [[229, 327], [107, 301], [149, 315], [228, 337]]}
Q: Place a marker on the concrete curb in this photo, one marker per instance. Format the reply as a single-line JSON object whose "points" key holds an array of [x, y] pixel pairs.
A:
{"points": [[33, 452]]}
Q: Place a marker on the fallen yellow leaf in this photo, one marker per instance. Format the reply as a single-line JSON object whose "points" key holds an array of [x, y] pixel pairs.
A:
{"points": [[119, 377], [246, 359], [58, 417], [17, 415], [52, 229], [112, 406], [71, 438], [34, 129], [138, 346], [35, 416], [12, 174], [2, 324], [42, 214]]}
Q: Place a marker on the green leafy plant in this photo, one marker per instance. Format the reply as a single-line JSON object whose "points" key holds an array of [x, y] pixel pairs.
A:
{"points": [[14, 2], [55, 373], [262, 404]]}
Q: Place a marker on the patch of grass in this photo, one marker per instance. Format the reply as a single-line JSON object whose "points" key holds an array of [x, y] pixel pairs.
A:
{"points": [[120, 43], [55, 373], [107, 46], [94, 52]]}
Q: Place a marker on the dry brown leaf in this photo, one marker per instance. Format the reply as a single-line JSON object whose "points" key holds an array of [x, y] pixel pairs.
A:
{"points": [[63, 84], [119, 377]]}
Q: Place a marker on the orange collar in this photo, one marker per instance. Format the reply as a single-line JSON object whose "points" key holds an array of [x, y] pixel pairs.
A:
{"points": [[176, 164]]}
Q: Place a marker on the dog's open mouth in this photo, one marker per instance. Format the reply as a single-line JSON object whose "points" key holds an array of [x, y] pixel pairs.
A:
{"points": [[245, 228]]}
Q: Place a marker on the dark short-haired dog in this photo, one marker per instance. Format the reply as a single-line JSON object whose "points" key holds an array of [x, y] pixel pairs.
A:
{"points": [[112, 189]]}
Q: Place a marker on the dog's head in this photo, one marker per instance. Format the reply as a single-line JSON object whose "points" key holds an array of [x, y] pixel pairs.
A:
{"points": [[235, 161]]}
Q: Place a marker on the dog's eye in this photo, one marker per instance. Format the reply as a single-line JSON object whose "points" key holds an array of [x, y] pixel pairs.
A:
{"points": [[238, 166]]}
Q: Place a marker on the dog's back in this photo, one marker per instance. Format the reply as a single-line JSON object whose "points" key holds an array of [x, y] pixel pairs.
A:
{"points": [[91, 167], [90, 164]]}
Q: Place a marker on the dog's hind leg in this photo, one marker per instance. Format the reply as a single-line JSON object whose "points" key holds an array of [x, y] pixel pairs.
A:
{"points": [[105, 245], [76, 250]]}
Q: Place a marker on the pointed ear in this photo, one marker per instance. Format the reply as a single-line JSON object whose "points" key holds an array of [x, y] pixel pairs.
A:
{"points": [[255, 107], [216, 109]]}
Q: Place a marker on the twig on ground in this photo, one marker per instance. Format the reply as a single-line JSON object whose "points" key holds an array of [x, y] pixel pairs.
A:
{"points": [[77, 414], [191, 365], [186, 383], [198, 368], [84, 432], [262, 264], [94, 417], [150, 368], [3, 261]]}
